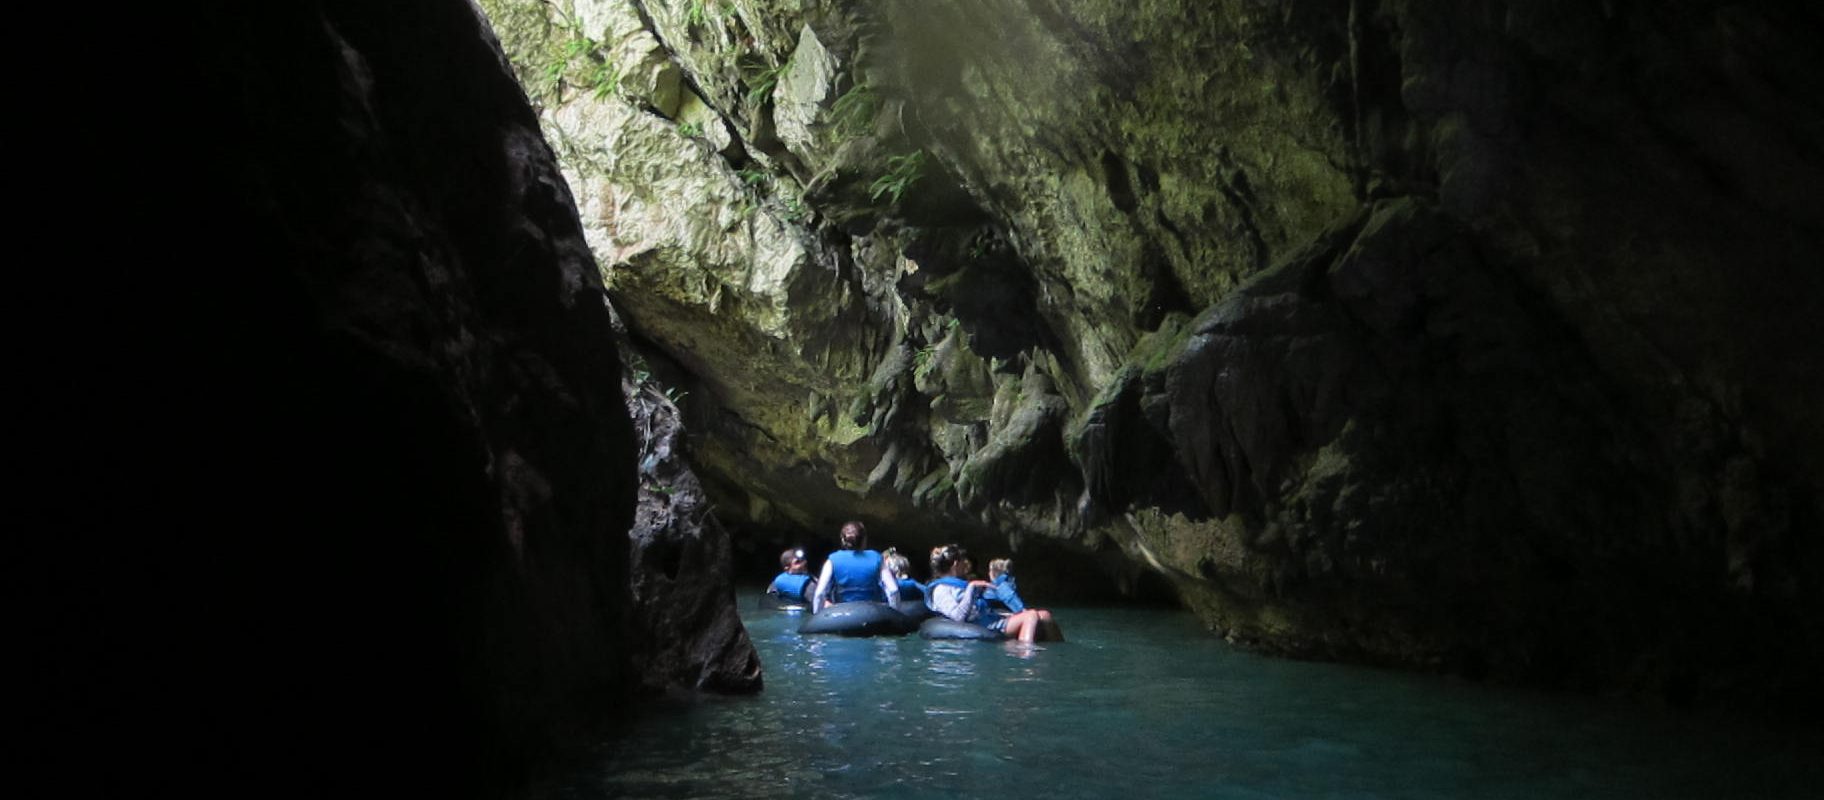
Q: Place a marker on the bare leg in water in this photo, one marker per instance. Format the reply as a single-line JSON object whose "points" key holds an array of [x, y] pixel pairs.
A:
{"points": [[1049, 627], [1023, 626], [1033, 625]]}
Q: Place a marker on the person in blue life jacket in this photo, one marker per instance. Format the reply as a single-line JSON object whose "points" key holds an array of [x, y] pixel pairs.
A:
{"points": [[1004, 597], [956, 597], [901, 567], [794, 584], [1004, 594], [854, 573]]}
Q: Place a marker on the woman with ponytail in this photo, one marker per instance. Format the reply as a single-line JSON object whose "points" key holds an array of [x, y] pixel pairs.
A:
{"points": [[854, 573]]}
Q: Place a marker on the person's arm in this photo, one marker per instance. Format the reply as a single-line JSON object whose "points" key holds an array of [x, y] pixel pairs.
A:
{"points": [[823, 584], [890, 582], [949, 601], [1009, 593]]}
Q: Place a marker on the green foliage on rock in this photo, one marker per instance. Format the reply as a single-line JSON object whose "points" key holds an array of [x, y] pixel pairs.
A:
{"points": [[924, 361], [853, 113], [753, 177], [551, 52], [604, 79], [761, 79], [795, 210], [902, 171]]}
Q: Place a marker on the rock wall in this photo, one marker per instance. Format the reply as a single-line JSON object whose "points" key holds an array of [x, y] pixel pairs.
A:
{"points": [[1481, 339], [688, 632], [371, 408]]}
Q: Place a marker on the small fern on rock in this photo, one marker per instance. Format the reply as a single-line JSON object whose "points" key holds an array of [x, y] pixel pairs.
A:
{"points": [[902, 172]]}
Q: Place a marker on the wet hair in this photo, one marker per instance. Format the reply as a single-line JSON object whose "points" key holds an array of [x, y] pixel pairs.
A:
{"points": [[896, 562], [945, 557], [1000, 566], [791, 554], [854, 535]]}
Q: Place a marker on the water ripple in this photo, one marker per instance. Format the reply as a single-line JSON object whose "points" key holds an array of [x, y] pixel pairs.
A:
{"points": [[1145, 702]]}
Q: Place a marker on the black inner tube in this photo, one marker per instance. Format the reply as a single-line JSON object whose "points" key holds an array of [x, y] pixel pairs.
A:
{"points": [[916, 609], [945, 628], [859, 619]]}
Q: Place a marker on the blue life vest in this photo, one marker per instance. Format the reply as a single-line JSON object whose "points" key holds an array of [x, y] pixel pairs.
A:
{"points": [[857, 576], [911, 590], [1005, 594], [976, 612], [789, 586]]}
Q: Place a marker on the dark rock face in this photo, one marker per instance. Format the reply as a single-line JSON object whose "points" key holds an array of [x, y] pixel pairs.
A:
{"points": [[683, 587], [1482, 429], [1483, 339], [385, 467], [1414, 447]]}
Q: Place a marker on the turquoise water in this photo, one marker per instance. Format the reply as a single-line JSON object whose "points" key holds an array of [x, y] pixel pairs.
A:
{"points": [[1141, 702]]}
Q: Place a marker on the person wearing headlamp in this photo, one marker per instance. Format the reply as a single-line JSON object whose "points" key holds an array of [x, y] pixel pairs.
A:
{"points": [[794, 584]]}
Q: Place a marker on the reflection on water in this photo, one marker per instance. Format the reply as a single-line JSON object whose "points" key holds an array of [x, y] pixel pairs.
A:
{"points": [[949, 664], [1144, 703]]}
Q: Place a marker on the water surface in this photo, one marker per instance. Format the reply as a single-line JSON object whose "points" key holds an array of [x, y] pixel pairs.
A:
{"points": [[1142, 702]]}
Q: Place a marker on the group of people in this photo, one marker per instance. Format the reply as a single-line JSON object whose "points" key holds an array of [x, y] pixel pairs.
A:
{"points": [[855, 573]]}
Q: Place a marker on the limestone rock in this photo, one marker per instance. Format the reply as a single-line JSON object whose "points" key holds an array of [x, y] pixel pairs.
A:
{"points": [[1329, 314], [805, 88], [691, 635]]}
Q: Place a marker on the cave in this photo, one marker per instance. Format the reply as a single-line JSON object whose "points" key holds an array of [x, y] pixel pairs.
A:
{"points": [[496, 345]]}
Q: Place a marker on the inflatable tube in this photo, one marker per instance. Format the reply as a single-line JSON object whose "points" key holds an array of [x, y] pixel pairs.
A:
{"points": [[916, 609], [945, 628], [859, 618]]}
